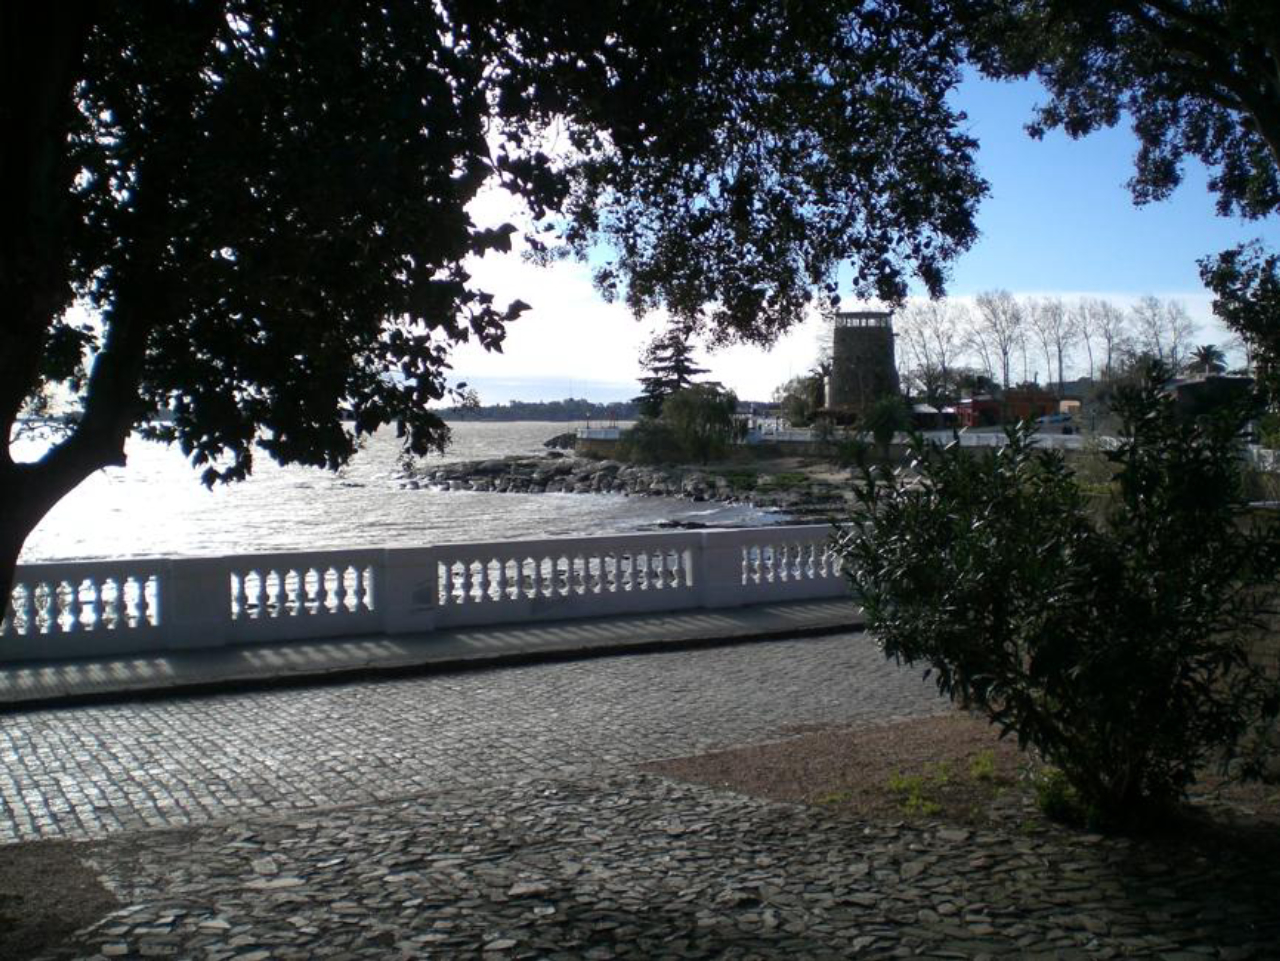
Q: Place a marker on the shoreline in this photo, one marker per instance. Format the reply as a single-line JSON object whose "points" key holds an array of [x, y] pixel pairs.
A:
{"points": [[794, 490]]}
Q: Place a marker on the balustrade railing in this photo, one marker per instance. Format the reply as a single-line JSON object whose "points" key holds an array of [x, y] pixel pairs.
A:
{"points": [[87, 608]]}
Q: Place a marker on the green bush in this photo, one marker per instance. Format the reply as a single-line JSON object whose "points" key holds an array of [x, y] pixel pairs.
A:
{"points": [[851, 451], [701, 418], [1113, 645], [1269, 430], [649, 441]]}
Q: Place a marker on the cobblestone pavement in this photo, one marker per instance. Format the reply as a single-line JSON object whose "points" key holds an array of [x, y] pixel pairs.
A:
{"points": [[90, 771], [632, 866]]}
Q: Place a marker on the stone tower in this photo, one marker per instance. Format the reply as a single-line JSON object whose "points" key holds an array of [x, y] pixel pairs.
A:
{"points": [[862, 364]]}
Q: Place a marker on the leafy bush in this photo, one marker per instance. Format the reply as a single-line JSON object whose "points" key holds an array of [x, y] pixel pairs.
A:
{"points": [[1269, 430], [649, 441], [701, 418], [1115, 646], [884, 418], [851, 451]]}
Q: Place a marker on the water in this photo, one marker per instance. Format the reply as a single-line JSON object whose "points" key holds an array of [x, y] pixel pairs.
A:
{"points": [[156, 506]]}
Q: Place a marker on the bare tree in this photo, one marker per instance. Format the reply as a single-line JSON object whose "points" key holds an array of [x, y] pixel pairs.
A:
{"points": [[1164, 330], [1055, 331], [1107, 325], [1000, 327], [930, 334], [1084, 332]]}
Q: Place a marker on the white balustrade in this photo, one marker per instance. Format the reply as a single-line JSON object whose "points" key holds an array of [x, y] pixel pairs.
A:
{"points": [[87, 608]]}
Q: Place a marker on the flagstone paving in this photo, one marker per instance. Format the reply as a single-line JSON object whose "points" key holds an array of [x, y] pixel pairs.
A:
{"points": [[633, 866]]}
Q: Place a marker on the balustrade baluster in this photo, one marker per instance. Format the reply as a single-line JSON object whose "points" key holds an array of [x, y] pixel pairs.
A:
{"points": [[497, 577], [105, 607], [370, 591], [258, 594], [336, 602], [355, 590], [141, 604]]}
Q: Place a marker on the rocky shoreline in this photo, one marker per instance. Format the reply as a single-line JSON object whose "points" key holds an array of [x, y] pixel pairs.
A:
{"points": [[801, 497]]}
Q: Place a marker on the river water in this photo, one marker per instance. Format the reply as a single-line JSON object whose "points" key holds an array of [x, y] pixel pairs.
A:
{"points": [[156, 505]]}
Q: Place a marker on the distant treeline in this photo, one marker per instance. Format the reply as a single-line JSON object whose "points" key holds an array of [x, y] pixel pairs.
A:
{"points": [[571, 408]]}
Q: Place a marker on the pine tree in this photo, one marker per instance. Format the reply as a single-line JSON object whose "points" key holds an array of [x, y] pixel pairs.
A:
{"points": [[669, 360]]}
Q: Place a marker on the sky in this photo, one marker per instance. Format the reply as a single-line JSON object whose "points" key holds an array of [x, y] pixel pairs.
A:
{"points": [[1059, 221]]}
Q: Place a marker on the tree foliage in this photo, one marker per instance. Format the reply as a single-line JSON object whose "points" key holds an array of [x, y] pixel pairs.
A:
{"points": [[800, 399], [1246, 288], [669, 361], [702, 420], [1195, 78], [264, 205], [1116, 648]]}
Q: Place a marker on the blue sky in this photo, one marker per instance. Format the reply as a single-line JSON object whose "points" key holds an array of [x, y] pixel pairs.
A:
{"points": [[1059, 221], [1060, 218]]}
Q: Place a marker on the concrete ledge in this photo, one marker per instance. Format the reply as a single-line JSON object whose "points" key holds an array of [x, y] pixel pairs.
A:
{"points": [[33, 685]]}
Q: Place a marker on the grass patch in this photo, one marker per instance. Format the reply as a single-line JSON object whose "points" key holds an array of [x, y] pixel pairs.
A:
{"points": [[789, 480]]}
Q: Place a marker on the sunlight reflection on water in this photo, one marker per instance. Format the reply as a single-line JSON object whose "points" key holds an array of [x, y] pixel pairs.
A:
{"points": [[156, 506]]}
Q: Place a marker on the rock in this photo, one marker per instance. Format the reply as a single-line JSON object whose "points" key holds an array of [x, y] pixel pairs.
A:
{"points": [[565, 441]]}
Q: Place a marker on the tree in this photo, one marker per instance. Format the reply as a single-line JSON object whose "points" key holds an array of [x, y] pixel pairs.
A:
{"points": [[702, 420], [669, 360], [800, 398], [1000, 328], [884, 419], [1056, 332], [1246, 287], [1115, 646], [263, 206], [1163, 330], [1195, 78], [1208, 359], [1104, 321], [930, 333]]}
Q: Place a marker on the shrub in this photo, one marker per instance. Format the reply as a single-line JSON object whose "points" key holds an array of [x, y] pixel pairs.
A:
{"points": [[851, 451], [884, 418], [1115, 646], [701, 418], [649, 441]]}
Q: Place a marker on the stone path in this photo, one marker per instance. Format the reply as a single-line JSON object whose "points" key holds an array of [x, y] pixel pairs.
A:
{"points": [[87, 772], [499, 815], [633, 866]]}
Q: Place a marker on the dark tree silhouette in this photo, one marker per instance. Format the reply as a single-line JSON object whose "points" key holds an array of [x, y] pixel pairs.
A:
{"points": [[1246, 294], [1194, 77], [669, 361], [1208, 359], [262, 204]]}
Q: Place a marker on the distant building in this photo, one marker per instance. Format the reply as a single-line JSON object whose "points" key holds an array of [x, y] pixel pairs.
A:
{"points": [[1197, 394], [862, 362], [1005, 407]]}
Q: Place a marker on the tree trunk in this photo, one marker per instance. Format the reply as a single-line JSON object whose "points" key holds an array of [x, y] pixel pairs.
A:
{"points": [[18, 519], [28, 491]]}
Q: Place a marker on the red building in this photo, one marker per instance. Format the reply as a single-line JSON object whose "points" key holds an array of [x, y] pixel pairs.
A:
{"points": [[1007, 407]]}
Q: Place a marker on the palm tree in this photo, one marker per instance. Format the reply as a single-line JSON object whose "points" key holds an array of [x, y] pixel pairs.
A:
{"points": [[1209, 359]]}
